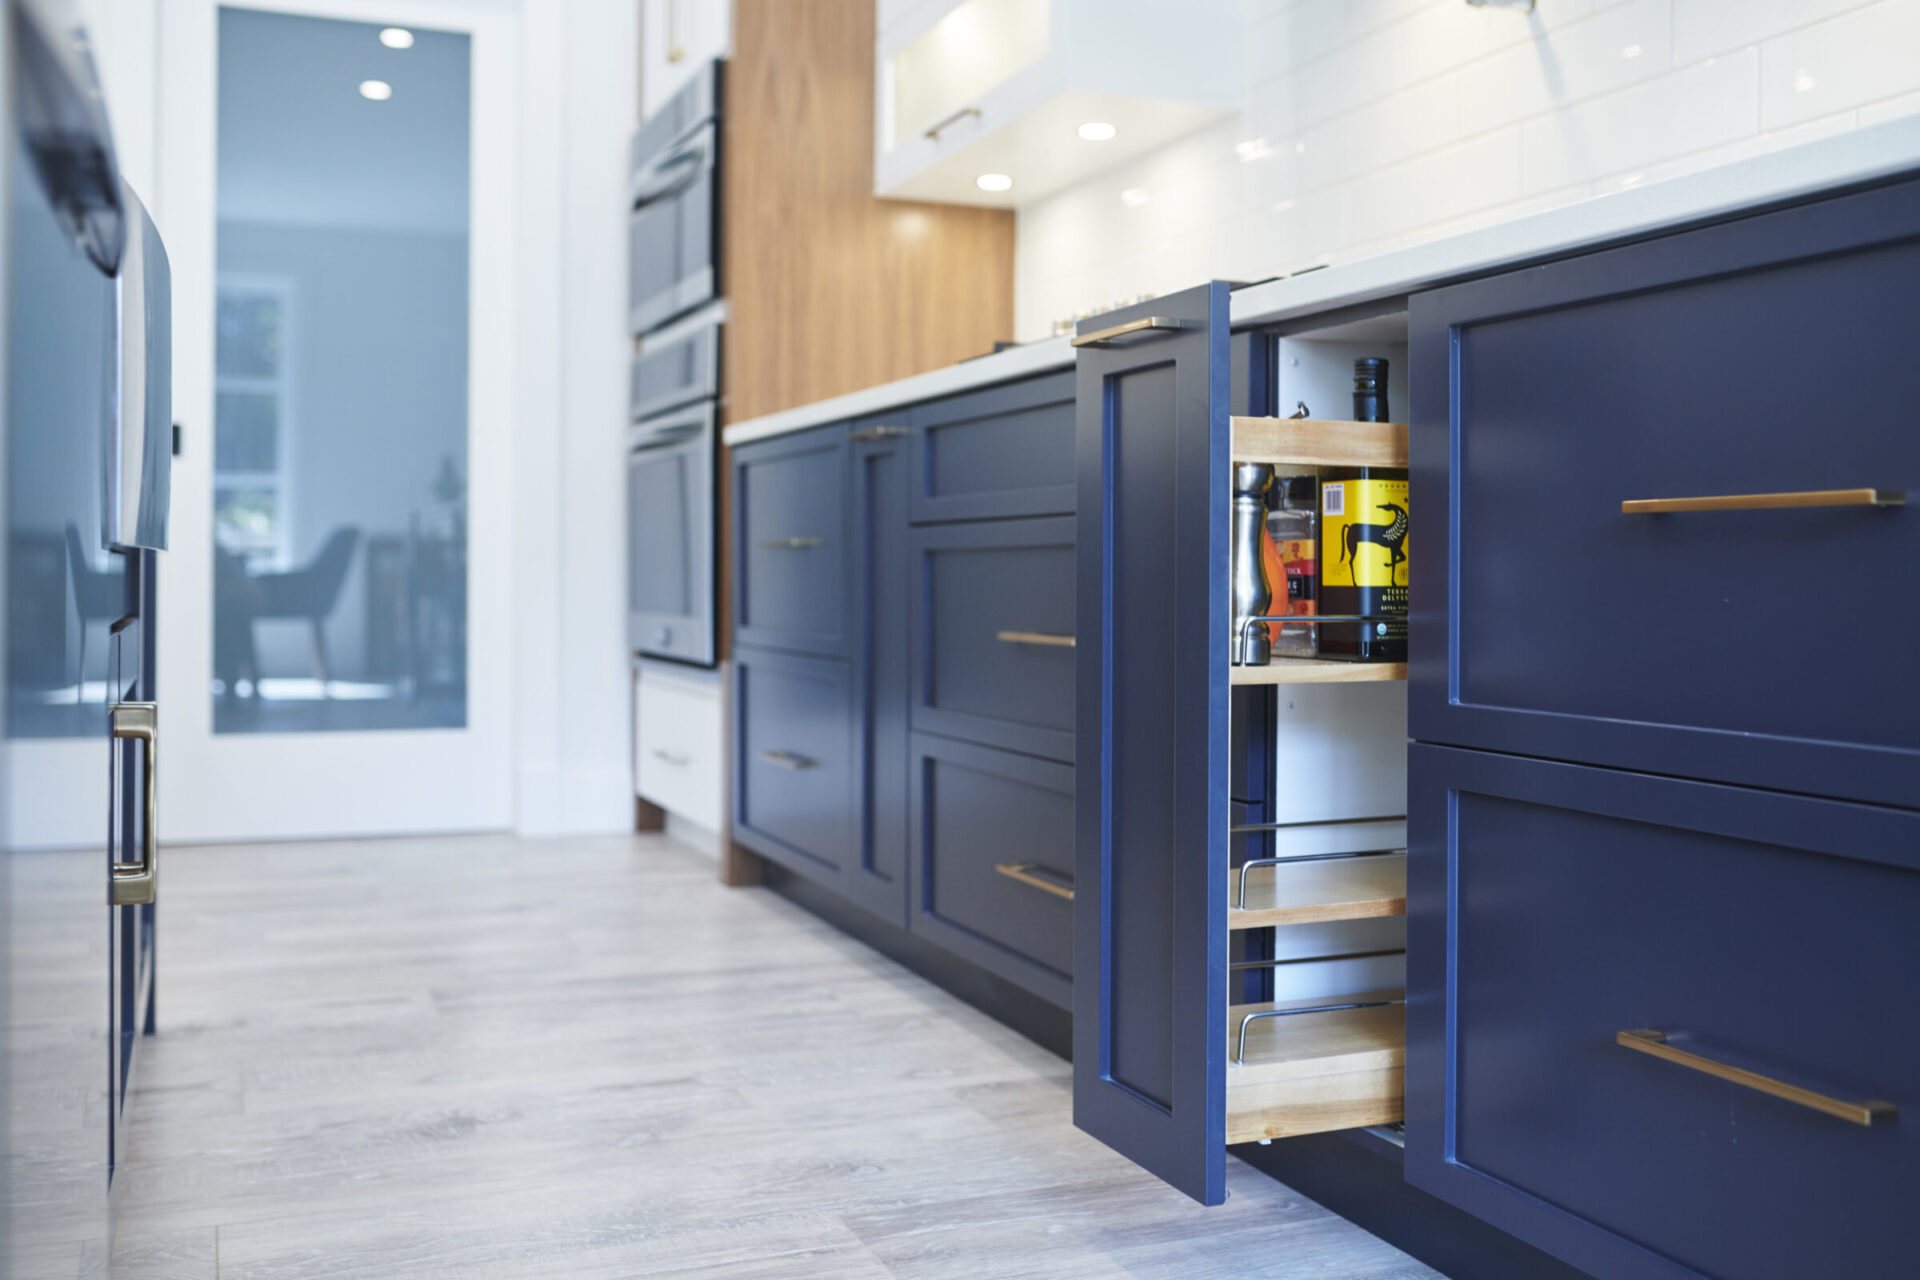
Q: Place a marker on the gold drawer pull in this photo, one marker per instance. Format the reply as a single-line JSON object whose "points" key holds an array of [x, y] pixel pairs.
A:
{"points": [[1105, 337], [788, 760], [1034, 637], [1767, 501], [1033, 875], [1649, 1041]]}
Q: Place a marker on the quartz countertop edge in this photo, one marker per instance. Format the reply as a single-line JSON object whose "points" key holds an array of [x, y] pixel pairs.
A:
{"points": [[1015, 362], [1858, 156]]}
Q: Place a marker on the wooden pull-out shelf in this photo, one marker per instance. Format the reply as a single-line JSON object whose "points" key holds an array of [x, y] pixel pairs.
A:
{"points": [[1316, 671], [1316, 1072], [1316, 442], [1313, 892]]}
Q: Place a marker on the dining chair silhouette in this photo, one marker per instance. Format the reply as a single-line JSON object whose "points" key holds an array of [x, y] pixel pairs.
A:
{"points": [[310, 592]]}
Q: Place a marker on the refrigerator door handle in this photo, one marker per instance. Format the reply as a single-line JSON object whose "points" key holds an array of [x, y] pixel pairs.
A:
{"points": [[135, 883]]}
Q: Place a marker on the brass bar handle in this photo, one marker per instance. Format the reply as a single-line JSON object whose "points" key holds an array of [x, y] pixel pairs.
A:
{"points": [[1767, 501], [792, 544], [788, 760], [1649, 1041], [1026, 873], [940, 126], [881, 432], [1105, 337], [133, 884], [1043, 638], [671, 757]]}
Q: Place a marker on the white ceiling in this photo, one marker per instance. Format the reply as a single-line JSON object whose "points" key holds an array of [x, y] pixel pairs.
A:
{"points": [[299, 145]]}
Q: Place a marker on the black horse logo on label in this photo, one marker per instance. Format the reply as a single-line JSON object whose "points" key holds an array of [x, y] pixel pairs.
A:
{"points": [[1390, 536]]}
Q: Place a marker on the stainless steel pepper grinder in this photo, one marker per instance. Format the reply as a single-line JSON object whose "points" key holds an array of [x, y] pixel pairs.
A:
{"points": [[1252, 595]]}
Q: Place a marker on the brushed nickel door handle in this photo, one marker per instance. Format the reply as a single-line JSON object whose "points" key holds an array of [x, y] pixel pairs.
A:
{"points": [[1767, 501], [1029, 874], [671, 757], [788, 760], [1034, 637], [1649, 1041], [1105, 337], [134, 883], [792, 544]]}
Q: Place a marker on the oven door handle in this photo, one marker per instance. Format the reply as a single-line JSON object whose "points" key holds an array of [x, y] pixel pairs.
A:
{"points": [[673, 173]]}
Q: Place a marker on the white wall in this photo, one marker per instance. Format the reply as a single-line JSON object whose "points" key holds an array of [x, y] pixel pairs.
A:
{"points": [[1368, 125]]}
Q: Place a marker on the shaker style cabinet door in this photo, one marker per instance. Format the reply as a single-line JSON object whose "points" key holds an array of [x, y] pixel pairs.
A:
{"points": [[791, 560], [1668, 500], [1151, 744], [876, 877], [1663, 1028]]}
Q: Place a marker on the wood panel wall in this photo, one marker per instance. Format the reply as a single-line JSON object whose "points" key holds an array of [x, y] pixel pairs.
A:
{"points": [[831, 289]]}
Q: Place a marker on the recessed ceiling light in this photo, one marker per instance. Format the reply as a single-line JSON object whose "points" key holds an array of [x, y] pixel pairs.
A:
{"points": [[397, 38], [1097, 131], [993, 182], [1134, 197], [376, 90]]}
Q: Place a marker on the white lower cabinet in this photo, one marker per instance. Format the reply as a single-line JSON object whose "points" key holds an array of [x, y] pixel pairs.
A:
{"points": [[678, 760]]}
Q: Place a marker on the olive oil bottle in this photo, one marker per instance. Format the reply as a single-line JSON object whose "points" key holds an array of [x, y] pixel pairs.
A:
{"points": [[1363, 542]]}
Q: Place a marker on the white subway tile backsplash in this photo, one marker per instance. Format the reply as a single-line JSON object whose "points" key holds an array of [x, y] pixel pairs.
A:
{"points": [[1608, 50], [1372, 124], [1847, 61], [1702, 28], [1697, 107]]}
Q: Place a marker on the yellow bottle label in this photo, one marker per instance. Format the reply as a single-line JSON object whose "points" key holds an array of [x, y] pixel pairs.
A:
{"points": [[1363, 534]]}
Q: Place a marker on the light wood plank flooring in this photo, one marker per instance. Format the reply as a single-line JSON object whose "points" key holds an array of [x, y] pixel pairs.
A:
{"points": [[487, 1057]]}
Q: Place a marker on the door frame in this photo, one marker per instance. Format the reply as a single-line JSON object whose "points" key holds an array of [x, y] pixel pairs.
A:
{"points": [[262, 786]]}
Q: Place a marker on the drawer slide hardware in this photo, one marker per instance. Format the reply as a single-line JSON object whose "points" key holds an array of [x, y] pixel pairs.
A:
{"points": [[1649, 1041], [1767, 501], [788, 760], [1034, 637], [1240, 1051], [1241, 966], [1034, 876], [792, 544], [1105, 337]]}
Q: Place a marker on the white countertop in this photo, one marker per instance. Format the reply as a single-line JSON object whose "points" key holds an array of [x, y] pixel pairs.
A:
{"points": [[1861, 155]]}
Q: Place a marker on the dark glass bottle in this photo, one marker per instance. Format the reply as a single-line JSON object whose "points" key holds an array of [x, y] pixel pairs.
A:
{"points": [[1363, 542]]}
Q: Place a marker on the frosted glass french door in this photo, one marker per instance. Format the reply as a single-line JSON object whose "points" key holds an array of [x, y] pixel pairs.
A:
{"points": [[336, 189]]}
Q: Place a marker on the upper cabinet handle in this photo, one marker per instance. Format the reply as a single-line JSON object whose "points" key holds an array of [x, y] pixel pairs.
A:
{"points": [[792, 544], [1105, 337], [1034, 637], [1647, 1040], [788, 760], [882, 432], [1767, 501], [940, 126]]}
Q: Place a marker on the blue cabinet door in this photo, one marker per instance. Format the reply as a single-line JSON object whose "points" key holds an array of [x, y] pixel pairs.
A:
{"points": [[993, 643], [1151, 751], [791, 553], [1768, 646], [1000, 451], [793, 791], [879, 624], [1553, 907]]}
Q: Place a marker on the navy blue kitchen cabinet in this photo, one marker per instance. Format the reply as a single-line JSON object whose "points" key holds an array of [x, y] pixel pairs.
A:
{"points": [[993, 642], [794, 761], [791, 559], [993, 861], [1001, 451], [880, 627], [1151, 752], [1768, 645], [1555, 909]]}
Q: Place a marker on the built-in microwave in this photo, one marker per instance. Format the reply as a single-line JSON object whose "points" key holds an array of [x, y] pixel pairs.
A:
{"points": [[673, 236]]}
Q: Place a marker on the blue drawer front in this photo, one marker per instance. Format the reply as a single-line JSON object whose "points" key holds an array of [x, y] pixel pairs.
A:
{"points": [[1552, 906], [1763, 647], [993, 627], [1005, 451], [793, 777], [791, 554], [975, 811]]}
